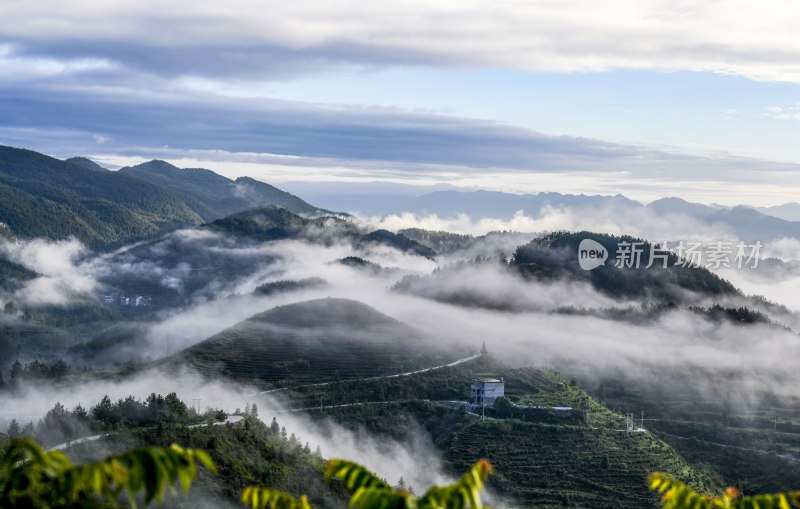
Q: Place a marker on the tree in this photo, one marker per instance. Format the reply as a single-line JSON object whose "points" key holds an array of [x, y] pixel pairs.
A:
{"points": [[80, 412], [275, 427], [10, 308], [16, 372], [59, 369], [254, 410], [503, 406], [32, 477], [104, 411], [13, 429]]}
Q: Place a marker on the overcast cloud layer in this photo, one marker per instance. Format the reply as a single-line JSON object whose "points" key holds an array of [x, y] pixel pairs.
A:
{"points": [[128, 79], [272, 38]]}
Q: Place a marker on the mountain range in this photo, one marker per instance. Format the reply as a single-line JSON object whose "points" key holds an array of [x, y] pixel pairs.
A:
{"points": [[41, 196], [748, 223]]}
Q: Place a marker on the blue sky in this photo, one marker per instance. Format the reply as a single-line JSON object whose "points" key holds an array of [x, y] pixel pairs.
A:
{"points": [[704, 112], [646, 98]]}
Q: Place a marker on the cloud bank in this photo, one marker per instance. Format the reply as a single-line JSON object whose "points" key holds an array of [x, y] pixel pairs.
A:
{"points": [[245, 39]]}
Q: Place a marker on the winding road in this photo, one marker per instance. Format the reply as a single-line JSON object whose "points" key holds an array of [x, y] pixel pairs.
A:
{"points": [[369, 379]]}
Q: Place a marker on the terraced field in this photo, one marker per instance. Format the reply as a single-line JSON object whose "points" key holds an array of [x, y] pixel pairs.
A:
{"points": [[541, 458], [560, 465], [317, 341]]}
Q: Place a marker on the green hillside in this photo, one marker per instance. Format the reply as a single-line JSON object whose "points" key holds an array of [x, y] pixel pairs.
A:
{"points": [[277, 223], [13, 275], [41, 196], [542, 457], [398, 241], [213, 196], [555, 256], [316, 341], [440, 241], [246, 453]]}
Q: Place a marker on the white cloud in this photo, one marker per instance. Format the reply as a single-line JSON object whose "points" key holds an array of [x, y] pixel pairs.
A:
{"points": [[15, 66], [757, 40]]}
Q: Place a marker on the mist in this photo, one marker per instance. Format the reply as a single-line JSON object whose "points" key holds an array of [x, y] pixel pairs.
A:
{"points": [[676, 351], [415, 460]]}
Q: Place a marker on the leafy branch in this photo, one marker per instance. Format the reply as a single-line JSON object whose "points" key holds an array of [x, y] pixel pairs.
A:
{"points": [[33, 477], [677, 495], [370, 492]]}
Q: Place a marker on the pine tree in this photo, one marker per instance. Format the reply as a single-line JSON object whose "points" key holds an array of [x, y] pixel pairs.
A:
{"points": [[10, 308], [13, 429], [275, 427], [254, 410], [16, 372]]}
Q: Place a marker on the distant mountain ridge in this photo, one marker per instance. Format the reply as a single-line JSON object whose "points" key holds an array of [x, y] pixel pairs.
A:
{"points": [[213, 196], [41, 196], [749, 223]]}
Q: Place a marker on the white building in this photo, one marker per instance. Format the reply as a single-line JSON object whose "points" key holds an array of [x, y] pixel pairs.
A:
{"points": [[486, 390]]}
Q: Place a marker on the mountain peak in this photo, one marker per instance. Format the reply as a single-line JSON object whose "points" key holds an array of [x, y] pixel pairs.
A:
{"points": [[155, 165], [85, 162]]}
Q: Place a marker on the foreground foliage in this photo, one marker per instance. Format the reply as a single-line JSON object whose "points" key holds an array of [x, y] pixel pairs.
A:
{"points": [[677, 495], [370, 492], [32, 477]]}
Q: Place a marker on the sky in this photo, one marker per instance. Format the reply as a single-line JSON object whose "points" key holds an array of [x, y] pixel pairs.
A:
{"points": [[645, 98]]}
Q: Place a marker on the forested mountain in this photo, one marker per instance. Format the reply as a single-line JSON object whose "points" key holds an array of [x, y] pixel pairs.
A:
{"points": [[276, 223], [317, 341], [85, 162], [555, 256], [211, 195], [41, 196]]}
